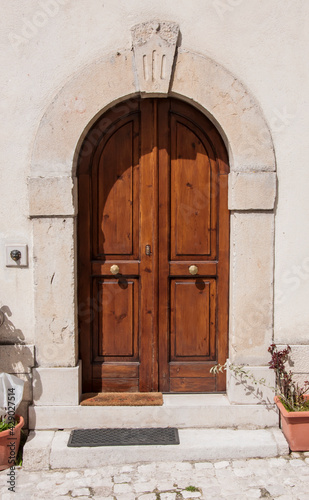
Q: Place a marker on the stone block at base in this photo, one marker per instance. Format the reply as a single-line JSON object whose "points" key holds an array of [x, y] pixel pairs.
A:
{"points": [[244, 390], [36, 453], [57, 386]]}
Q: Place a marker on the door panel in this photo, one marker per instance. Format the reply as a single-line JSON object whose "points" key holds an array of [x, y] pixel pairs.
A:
{"points": [[115, 194], [193, 307], [195, 231], [190, 207], [203, 384], [118, 323], [153, 201]]}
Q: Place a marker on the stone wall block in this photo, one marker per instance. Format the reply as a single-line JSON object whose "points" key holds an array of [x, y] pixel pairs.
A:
{"points": [[251, 287], [55, 292], [36, 451], [243, 390], [57, 386], [252, 191], [17, 358], [52, 196]]}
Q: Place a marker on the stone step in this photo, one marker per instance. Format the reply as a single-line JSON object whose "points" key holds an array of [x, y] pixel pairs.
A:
{"points": [[48, 449], [178, 410]]}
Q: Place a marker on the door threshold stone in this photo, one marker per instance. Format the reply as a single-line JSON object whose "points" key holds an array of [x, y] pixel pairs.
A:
{"points": [[178, 410]]}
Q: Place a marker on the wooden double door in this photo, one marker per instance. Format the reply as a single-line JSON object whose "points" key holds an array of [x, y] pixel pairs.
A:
{"points": [[153, 250]]}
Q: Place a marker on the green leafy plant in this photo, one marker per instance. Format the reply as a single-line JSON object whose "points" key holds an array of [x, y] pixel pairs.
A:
{"points": [[19, 457], [290, 393], [191, 488], [5, 425]]}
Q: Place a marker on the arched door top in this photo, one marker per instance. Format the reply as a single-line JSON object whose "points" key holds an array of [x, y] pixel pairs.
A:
{"points": [[99, 86]]}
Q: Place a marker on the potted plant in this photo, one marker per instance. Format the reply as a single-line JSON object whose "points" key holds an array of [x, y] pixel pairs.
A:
{"points": [[11, 393], [292, 401], [10, 429], [291, 398]]}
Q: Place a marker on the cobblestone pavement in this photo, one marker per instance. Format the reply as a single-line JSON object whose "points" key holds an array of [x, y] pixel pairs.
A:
{"points": [[283, 478]]}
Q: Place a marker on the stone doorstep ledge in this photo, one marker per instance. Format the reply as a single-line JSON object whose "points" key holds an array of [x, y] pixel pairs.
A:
{"points": [[183, 411], [48, 449]]}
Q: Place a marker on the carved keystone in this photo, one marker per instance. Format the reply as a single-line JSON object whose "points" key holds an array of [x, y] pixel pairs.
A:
{"points": [[154, 46]]}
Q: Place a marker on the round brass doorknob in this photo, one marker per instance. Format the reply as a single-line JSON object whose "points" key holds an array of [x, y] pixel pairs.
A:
{"points": [[114, 269], [193, 270]]}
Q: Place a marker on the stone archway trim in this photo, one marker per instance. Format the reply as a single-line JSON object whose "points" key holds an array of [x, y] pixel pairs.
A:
{"points": [[252, 190]]}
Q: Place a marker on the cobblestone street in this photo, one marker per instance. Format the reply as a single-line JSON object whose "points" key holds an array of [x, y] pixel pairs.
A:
{"points": [[283, 478]]}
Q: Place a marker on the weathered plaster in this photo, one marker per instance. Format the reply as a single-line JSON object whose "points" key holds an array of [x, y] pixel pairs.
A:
{"points": [[17, 358]]}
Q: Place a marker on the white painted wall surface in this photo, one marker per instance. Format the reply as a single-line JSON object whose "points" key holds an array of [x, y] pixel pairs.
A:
{"points": [[264, 43]]}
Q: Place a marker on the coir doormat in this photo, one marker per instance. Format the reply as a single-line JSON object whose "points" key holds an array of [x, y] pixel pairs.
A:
{"points": [[123, 437], [122, 399]]}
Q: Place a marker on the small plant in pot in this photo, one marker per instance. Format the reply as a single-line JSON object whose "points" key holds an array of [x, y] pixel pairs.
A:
{"points": [[11, 393], [10, 430], [291, 398]]}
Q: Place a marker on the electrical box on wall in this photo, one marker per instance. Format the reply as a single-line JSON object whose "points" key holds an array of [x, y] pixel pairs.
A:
{"points": [[16, 255]]}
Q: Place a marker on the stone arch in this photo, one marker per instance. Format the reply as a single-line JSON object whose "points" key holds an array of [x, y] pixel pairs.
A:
{"points": [[237, 115], [211, 88]]}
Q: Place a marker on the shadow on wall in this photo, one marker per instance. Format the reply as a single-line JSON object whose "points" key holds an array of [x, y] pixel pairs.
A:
{"points": [[8, 333], [16, 357]]}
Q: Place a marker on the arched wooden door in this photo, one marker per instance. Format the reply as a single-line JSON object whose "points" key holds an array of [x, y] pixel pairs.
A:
{"points": [[152, 179]]}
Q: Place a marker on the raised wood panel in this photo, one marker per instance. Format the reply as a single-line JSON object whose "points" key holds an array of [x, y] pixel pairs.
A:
{"points": [[193, 324], [193, 384], [115, 370], [182, 268], [196, 370], [115, 194], [115, 385], [190, 194], [126, 268], [117, 318]]}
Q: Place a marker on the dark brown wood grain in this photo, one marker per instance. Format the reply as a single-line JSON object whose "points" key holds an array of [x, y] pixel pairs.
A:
{"points": [[153, 172]]}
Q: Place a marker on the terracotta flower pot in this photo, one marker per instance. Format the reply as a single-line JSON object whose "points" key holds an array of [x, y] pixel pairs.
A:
{"points": [[9, 444], [295, 427]]}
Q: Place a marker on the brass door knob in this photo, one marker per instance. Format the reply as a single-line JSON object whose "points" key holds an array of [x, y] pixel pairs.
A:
{"points": [[114, 269], [193, 270]]}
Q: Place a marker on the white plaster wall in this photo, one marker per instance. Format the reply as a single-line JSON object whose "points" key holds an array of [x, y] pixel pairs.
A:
{"points": [[264, 43]]}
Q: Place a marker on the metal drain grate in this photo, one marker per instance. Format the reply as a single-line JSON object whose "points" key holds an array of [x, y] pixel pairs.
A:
{"points": [[123, 437]]}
